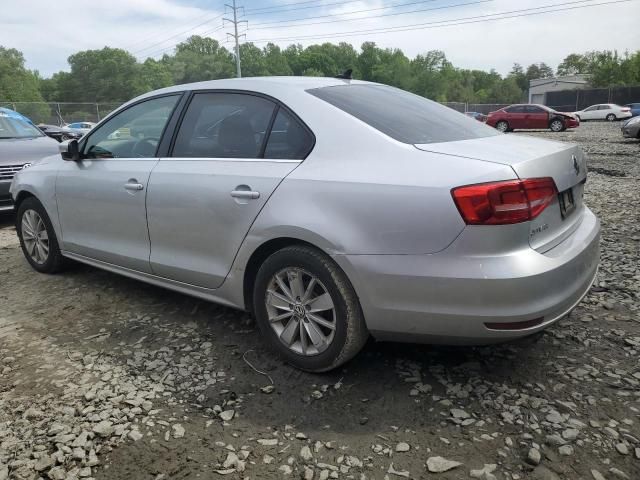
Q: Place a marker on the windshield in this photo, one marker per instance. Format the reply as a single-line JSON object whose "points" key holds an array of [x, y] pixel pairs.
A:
{"points": [[401, 115], [11, 127]]}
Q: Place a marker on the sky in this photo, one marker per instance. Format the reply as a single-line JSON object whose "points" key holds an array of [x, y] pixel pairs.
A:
{"points": [[47, 32]]}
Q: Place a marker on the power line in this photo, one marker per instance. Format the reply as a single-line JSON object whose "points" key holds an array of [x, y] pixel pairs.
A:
{"points": [[459, 21], [368, 17], [284, 5], [177, 35], [159, 33], [235, 22], [305, 7], [306, 18], [174, 45], [397, 5]]}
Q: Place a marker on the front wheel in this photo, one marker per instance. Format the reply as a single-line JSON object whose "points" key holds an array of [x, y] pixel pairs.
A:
{"points": [[307, 309], [556, 125], [611, 117], [37, 237]]}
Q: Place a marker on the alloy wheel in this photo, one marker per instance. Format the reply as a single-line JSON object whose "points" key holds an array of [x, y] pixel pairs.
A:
{"points": [[502, 126], [301, 311], [611, 117], [556, 125], [35, 236]]}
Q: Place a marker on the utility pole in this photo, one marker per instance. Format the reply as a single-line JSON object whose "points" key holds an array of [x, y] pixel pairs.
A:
{"points": [[235, 34]]}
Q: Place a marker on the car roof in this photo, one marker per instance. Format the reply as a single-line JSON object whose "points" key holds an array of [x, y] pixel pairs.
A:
{"points": [[258, 84]]}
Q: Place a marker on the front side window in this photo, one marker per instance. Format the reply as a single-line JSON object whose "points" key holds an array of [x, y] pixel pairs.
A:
{"points": [[401, 115], [224, 125], [288, 138], [12, 127], [132, 133], [604, 107]]}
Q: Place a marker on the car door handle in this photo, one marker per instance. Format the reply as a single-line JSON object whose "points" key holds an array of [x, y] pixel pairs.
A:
{"points": [[250, 194], [133, 186]]}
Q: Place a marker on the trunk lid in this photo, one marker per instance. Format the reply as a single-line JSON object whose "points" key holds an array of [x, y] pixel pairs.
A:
{"points": [[531, 158]]}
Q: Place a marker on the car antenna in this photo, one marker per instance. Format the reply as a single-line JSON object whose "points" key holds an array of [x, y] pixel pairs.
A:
{"points": [[346, 75]]}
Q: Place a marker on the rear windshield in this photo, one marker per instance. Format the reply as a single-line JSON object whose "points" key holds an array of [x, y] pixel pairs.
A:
{"points": [[401, 115]]}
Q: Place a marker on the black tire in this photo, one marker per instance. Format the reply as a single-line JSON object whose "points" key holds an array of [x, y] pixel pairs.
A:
{"points": [[611, 117], [503, 126], [350, 333], [54, 261], [556, 125]]}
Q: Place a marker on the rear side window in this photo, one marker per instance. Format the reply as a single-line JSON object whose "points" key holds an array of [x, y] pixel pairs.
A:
{"points": [[401, 115], [516, 109], [288, 139], [534, 109], [224, 125]]}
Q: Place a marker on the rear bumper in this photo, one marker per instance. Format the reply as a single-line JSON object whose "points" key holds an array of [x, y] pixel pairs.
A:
{"points": [[448, 297]]}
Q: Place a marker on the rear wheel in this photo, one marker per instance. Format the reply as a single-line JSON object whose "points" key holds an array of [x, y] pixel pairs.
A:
{"points": [[611, 117], [556, 125], [307, 309], [37, 237], [502, 126]]}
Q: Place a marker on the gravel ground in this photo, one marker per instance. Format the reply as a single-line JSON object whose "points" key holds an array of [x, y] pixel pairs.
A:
{"points": [[104, 377]]}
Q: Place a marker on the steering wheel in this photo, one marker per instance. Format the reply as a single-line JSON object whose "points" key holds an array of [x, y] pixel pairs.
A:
{"points": [[140, 148]]}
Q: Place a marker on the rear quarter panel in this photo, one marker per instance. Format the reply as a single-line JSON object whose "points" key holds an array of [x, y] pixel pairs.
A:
{"points": [[361, 192]]}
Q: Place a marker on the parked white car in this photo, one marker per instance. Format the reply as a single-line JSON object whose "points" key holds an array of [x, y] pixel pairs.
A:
{"points": [[605, 111]]}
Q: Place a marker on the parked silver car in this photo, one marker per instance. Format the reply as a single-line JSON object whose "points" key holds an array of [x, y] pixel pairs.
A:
{"points": [[331, 209]]}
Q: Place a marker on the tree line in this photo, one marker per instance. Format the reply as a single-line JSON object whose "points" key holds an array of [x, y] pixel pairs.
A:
{"points": [[115, 75]]}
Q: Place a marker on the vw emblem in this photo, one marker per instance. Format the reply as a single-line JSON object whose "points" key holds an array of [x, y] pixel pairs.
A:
{"points": [[26, 165], [576, 165], [299, 310]]}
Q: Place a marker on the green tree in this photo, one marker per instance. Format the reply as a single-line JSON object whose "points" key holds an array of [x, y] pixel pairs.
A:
{"points": [[17, 83], [198, 59]]}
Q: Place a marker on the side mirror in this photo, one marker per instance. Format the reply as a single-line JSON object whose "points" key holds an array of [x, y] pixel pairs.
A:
{"points": [[69, 150]]}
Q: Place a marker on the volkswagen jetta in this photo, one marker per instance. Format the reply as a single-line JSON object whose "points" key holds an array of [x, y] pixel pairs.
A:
{"points": [[331, 209]]}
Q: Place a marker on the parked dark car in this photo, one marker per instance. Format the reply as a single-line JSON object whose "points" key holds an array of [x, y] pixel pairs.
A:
{"points": [[60, 134], [481, 117], [529, 116], [20, 143]]}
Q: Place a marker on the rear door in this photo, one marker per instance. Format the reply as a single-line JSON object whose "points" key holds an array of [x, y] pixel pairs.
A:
{"points": [[225, 163], [517, 117], [603, 111]]}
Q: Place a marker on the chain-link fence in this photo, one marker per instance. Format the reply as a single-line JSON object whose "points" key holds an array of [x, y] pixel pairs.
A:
{"points": [[484, 108], [61, 113]]}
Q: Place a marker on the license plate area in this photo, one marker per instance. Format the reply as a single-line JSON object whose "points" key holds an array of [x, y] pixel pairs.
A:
{"points": [[567, 202]]}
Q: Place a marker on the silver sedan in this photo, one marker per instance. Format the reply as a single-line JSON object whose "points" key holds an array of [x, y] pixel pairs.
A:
{"points": [[331, 209]]}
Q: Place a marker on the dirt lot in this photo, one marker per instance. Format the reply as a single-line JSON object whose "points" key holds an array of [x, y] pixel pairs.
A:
{"points": [[105, 377]]}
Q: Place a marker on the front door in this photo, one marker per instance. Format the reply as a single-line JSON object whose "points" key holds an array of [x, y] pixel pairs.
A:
{"points": [[101, 198], [537, 117], [231, 152]]}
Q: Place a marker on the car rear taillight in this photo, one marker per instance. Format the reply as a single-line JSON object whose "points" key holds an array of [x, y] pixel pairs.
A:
{"points": [[506, 202], [625, 109]]}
